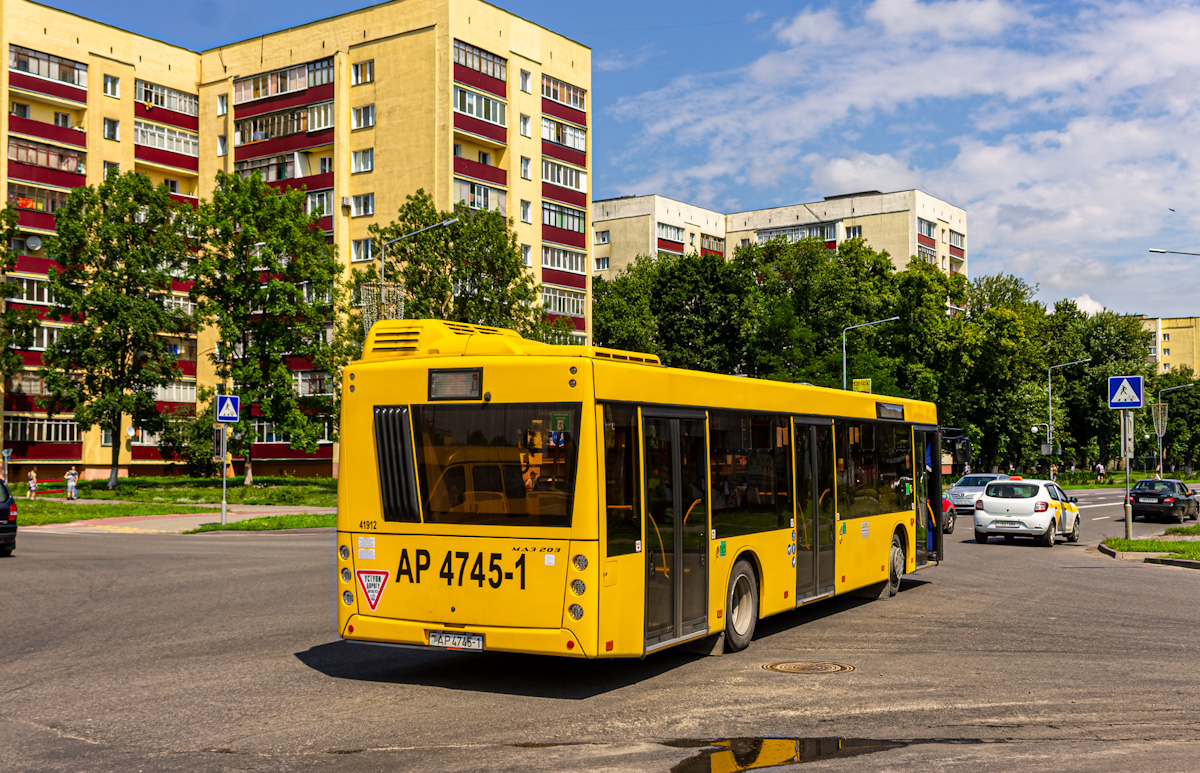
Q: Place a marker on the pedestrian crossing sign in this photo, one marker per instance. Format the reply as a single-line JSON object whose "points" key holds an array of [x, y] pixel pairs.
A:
{"points": [[1125, 392], [228, 408]]}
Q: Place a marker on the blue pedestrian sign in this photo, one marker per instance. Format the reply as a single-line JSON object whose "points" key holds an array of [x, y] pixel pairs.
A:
{"points": [[1125, 392], [227, 408]]}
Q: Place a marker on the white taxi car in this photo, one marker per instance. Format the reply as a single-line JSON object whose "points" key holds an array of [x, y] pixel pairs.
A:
{"points": [[1026, 508]]}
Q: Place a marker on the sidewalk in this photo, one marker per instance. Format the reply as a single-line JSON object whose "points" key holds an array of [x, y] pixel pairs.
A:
{"points": [[169, 524]]}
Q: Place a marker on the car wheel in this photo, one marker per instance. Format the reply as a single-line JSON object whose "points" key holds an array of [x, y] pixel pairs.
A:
{"points": [[949, 527], [980, 537], [1181, 517], [1047, 539], [1074, 535], [741, 606], [6, 551]]}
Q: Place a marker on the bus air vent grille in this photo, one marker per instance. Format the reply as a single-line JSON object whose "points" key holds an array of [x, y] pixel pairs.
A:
{"points": [[402, 341], [397, 474], [646, 359]]}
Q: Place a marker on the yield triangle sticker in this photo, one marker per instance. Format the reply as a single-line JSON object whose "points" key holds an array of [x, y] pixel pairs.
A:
{"points": [[1125, 394], [372, 582], [227, 410]]}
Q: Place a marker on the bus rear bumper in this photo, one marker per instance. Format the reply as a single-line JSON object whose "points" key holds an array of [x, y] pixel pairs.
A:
{"points": [[540, 641]]}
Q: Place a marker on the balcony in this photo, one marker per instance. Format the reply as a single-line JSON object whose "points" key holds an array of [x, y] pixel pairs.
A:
{"points": [[552, 233], [478, 171], [150, 112], [58, 91], [25, 450], [160, 157], [29, 220], [46, 131], [489, 133], [322, 93], [563, 112], [44, 175], [563, 153], [476, 79], [313, 182], [285, 144], [564, 195]]}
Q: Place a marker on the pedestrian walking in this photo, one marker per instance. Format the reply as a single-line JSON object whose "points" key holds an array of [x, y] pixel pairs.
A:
{"points": [[31, 479], [72, 477], [1099, 472], [1054, 472]]}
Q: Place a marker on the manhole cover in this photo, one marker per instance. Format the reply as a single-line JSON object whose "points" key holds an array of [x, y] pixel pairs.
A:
{"points": [[802, 667]]}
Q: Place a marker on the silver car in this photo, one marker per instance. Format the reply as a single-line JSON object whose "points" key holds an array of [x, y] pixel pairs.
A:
{"points": [[964, 493]]}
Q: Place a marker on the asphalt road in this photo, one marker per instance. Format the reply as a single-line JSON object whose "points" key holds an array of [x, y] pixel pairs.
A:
{"points": [[217, 653]]}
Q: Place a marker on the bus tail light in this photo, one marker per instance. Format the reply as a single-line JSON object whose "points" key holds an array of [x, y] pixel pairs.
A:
{"points": [[580, 562], [345, 574], [348, 597], [344, 551], [1040, 507], [576, 611], [578, 587]]}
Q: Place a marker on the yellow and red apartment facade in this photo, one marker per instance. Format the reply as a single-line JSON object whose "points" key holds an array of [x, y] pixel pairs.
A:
{"points": [[456, 97]]}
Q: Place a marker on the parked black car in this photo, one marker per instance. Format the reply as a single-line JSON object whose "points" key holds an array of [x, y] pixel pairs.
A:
{"points": [[8, 521], [1164, 499]]}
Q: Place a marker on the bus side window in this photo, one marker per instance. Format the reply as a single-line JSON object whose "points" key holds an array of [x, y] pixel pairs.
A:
{"points": [[622, 479]]}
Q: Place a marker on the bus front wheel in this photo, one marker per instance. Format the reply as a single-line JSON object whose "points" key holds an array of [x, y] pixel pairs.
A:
{"points": [[741, 606]]}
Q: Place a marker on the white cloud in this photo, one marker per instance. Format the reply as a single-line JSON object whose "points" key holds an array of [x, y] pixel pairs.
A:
{"points": [[1065, 131], [618, 61], [1087, 305]]}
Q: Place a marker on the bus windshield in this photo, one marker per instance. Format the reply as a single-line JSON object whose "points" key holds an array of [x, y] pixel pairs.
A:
{"points": [[490, 464]]}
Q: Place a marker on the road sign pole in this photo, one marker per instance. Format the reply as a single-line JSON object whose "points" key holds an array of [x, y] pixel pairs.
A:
{"points": [[224, 451], [1127, 437]]}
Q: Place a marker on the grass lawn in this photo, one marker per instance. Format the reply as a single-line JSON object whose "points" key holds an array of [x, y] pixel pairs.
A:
{"points": [[272, 522], [310, 492], [1184, 530], [43, 511], [1190, 550]]}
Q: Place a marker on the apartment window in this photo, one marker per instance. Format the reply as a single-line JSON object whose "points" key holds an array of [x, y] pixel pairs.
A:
{"points": [[526, 168], [478, 106], [564, 134], [20, 110], [745, 242], [479, 196], [362, 160], [324, 164], [602, 264], [176, 392], [265, 127], [320, 73], [52, 67], [222, 144], [165, 138], [563, 217], [320, 116], [1166, 352], [485, 158], [222, 104], [112, 129], [362, 72], [362, 204], [457, 150], [527, 254], [564, 260], [826, 232], [172, 185], [31, 290], [171, 99], [362, 117], [572, 96], [564, 176], [926, 228], [112, 86], [181, 302], [44, 336], [36, 199], [559, 300], [1166, 337], [602, 237], [945, 238], [958, 240], [927, 254], [312, 382], [361, 250], [854, 232], [526, 212], [526, 81], [278, 82], [481, 61], [670, 232], [692, 239], [525, 130], [48, 156], [26, 383], [320, 202], [712, 244], [41, 430], [62, 119], [1166, 366], [111, 167]]}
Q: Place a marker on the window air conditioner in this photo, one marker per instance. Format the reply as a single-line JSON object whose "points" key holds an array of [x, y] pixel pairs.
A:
{"points": [[345, 201]]}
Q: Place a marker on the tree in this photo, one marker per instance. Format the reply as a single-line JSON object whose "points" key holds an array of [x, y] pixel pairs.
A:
{"points": [[118, 247], [187, 436], [272, 287], [17, 321], [467, 271]]}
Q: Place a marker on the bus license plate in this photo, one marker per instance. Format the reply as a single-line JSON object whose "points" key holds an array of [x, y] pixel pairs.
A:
{"points": [[455, 641]]}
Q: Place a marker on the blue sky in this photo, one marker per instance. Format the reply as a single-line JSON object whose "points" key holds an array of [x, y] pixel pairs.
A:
{"points": [[1067, 130]]}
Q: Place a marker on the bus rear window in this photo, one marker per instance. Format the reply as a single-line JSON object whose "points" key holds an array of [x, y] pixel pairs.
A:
{"points": [[491, 464]]}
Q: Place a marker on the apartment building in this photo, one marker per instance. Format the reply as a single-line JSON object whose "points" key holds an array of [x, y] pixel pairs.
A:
{"points": [[456, 97], [904, 223], [1176, 342]]}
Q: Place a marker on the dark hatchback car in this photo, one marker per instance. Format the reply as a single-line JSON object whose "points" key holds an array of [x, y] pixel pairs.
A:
{"points": [[1163, 499], [8, 521]]}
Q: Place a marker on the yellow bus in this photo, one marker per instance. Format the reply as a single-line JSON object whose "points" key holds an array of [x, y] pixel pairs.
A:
{"points": [[497, 493]]}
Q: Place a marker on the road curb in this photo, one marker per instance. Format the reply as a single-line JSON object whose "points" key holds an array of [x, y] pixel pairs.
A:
{"points": [[1185, 563], [1150, 558]]}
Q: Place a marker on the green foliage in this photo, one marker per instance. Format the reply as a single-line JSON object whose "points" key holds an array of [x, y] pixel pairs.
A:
{"points": [[272, 286], [17, 323], [469, 271], [187, 436], [118, 246]]}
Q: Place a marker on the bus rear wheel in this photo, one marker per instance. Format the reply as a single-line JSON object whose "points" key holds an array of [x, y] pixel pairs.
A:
{"points": [[897, 563], [741, 606]]}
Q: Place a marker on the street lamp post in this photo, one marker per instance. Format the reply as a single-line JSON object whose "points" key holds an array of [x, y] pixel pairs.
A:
{"points": [[383, 255], [852, 327], [1160, 437], [1050, 398]]}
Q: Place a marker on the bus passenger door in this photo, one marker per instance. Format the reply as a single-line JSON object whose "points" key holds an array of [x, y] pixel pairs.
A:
{"points": [[928, 450], [676, 543], [815, 508]]}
